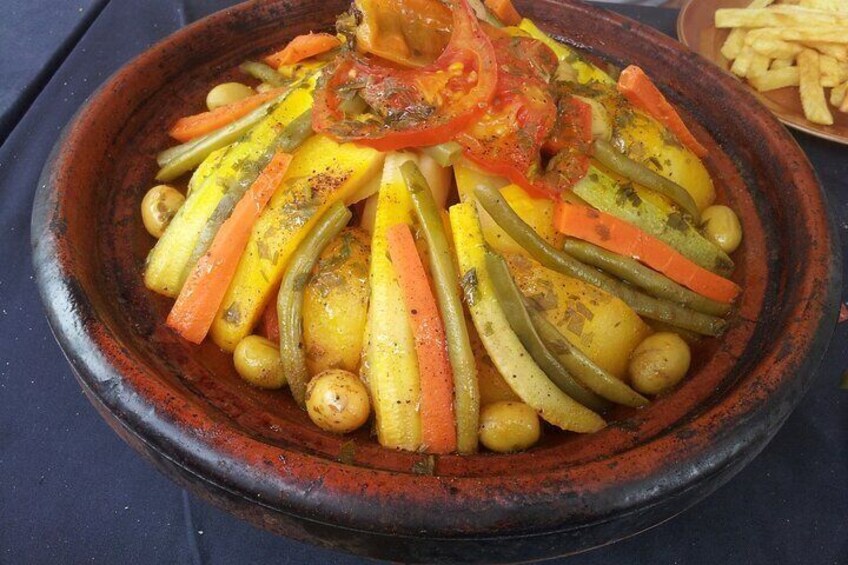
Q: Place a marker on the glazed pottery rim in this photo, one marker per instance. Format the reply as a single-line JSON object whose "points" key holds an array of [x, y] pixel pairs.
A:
{"points": [[98, 361]]}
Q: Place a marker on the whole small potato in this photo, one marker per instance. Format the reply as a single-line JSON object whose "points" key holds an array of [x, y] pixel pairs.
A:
{"points": [[509, 426], [659, 362], [337, 401], [227, 93]]}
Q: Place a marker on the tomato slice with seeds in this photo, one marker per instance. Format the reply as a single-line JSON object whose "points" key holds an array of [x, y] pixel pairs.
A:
{"points": [[508, 139], [411, 107]]}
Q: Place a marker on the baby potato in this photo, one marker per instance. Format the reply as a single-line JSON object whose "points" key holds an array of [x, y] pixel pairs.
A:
{"points": [[659, 362], [227, 93], [335, 304], [337, 401], [257, 361], [506, 426], [599, 324]]}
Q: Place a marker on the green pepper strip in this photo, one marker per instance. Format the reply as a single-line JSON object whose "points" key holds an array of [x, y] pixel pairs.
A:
{"points": [[294, 134], [644, 277], [445, 154], [290, 297], [512, 303], [263, 72], [619, 163], [560, 262], [187, 156], [584, 369], [445, 282]]}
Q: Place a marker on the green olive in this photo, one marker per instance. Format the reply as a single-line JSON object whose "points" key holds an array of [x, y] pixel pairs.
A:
{"points": [[337, 401], [659, 362], [158, 208], [721, 225], [509, 426], [257, 361], [227, 93]]}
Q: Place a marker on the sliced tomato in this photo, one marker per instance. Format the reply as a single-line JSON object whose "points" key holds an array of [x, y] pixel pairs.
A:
{"points": [[411, 107], [528, 123]]}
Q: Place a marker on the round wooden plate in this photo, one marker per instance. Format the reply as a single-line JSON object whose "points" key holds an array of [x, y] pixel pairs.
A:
{"points": [[696, 28], [255, 454]]}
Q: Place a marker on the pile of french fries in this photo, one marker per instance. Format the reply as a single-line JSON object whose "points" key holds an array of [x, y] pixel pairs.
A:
{"points": [[801, 43]]}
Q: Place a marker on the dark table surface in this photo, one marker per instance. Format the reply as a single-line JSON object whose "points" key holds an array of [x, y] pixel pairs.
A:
{"points": [[71, 491]]}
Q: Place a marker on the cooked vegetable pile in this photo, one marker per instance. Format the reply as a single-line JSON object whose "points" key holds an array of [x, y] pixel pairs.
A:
{"points": [[443, 216]]}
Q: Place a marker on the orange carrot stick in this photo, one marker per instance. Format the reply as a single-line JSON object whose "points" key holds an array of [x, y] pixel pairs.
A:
{"points": [[623, 238], [200, 297], [190, 127], [437, 416], [302, 47], [504, 11], [635, 85]]}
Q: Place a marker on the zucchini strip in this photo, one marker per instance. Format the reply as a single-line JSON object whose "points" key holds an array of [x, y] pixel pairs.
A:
{"points": [[290, 297], [512, 304], [445, 282], [391, 366], [510, 357], [539, 249]]}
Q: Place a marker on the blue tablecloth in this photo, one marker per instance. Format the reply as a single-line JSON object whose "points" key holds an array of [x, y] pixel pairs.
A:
{"points": [[71, 491]]}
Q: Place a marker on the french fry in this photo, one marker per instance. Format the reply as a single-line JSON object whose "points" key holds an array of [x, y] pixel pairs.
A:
{"points": [[837, 95], [743, 62], [759, 65], [776, 16], [810, 86], [736, 39], [829, 34], [734, 43], [774, 79], [844, 106], [833, 72], [835, 50], [765, 45]]}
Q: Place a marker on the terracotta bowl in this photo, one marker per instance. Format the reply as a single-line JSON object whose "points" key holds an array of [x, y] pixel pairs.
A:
{"points": [[256, 455]]}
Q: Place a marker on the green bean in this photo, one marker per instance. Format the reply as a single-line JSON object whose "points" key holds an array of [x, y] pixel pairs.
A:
{"points": [[654, 283], [187, 156], [584, 369], [564, 263], [263, 72], [290, 297], [512, 304], [445, 154], [289, 139], [445, 282], [619, 163]]}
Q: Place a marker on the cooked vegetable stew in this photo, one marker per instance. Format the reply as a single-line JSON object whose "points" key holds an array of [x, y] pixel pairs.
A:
{"points": [[443, 217]]}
